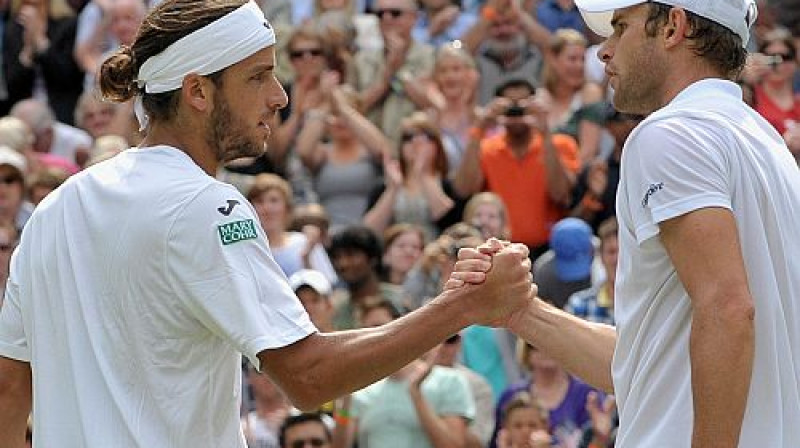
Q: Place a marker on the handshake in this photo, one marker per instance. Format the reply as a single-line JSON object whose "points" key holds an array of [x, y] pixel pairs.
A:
{"points": [[493, 282]]}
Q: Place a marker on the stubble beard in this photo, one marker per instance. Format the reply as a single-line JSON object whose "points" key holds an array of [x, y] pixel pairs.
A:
{"points": [[229, 138], [640, 92]]}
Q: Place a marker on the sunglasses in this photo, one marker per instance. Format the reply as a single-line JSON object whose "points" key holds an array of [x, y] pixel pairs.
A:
{"points": [[406, 137], [393, 12], [301, 443], [297, 54]]}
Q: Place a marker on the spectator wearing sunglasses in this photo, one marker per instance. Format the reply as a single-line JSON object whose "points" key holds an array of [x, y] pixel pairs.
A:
{"points": [[773, 94], [307, 53], [387, 77], [416, 190], [342, 150], [305, 431]]}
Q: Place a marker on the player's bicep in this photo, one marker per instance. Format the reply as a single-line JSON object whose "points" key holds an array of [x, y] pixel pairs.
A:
{"points": [[704, 247], [671, 171], [222, 271]]}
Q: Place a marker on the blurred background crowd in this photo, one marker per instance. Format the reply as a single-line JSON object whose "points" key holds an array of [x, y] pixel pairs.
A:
{"points": [[414, 128]]}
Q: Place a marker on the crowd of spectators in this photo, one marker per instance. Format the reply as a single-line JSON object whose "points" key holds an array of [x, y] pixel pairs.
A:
{"points": [[414, 128]]}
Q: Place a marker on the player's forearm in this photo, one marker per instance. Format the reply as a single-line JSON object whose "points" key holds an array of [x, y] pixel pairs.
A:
{"points": [[325, 366], [15, 404], [722, 340], [583, 348]]}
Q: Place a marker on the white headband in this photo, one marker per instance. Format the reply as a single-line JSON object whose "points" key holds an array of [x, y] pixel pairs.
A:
{"points": [[218, 45]]}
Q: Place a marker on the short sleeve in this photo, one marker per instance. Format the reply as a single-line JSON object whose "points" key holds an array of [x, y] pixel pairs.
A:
{"points": [[673, 167], [13, 341], [453, 396], [594, 112], [221, 268]]}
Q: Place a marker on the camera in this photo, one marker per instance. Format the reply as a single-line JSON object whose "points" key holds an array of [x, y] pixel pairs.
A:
{"points": [[515, 111]]}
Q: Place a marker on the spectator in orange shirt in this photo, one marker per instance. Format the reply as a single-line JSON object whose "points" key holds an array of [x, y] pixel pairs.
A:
{"points": [[530, 168]]}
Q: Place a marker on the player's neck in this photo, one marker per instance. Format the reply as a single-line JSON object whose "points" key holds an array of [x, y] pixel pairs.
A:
{"points": [[681, 78], [192, 143]]}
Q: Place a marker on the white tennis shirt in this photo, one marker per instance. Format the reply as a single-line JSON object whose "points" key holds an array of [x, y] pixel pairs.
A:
{"points": [[706, 149], [135, 289]]}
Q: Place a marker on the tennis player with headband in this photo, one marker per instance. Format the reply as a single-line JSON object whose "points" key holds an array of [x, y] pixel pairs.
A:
{"points": [[140, 283]]}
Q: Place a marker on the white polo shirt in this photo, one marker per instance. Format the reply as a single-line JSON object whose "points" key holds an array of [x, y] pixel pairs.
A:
{"points": [[706, 149], [134, 291]]}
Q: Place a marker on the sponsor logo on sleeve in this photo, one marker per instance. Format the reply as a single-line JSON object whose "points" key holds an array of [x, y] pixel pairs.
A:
{"points": [[233, 232], [653, 189]]}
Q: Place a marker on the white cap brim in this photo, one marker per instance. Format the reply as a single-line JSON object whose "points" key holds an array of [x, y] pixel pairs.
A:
{"points": [[598, 13]]}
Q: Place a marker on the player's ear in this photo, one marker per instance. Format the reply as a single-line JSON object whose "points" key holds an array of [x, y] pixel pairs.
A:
{"points": [[676, 28], [197, 92]]}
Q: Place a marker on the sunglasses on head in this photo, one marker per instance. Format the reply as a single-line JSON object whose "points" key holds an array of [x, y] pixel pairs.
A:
{"points": [[393, 12], [297, 54], [301, 443]]}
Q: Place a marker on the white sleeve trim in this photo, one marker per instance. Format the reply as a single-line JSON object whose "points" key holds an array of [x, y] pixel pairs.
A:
{"points": [[14, 352], [258, 345]]}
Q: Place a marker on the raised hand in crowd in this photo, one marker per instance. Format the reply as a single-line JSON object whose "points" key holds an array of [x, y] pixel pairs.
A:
{"points": [[443, 19], [601, 413], [537, 439], [488, 116], [396, 47], [537, 108], [34, 21], [597, 179], [392, 173]]}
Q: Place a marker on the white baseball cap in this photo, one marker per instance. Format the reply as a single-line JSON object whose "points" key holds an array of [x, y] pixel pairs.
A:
{"points": [[736, 15], [313, 279]]}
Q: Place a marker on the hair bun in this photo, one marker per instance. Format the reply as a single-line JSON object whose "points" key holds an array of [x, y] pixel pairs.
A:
{"points": [[118, 76]]}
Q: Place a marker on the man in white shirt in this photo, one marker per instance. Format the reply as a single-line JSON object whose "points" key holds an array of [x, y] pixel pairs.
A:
{"points": [[138, 285], [707, 347]]}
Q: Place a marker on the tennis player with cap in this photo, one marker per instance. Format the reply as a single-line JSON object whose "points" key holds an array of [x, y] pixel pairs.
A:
{"points": [[707, 347], [139, 284]]}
